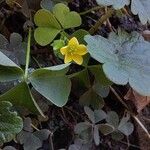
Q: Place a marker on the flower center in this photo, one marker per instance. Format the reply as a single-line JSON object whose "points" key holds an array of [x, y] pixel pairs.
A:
{"points": [[72, 48]]}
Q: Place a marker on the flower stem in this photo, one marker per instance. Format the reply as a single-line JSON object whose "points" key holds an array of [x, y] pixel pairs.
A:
{"points": [[28, 54]]}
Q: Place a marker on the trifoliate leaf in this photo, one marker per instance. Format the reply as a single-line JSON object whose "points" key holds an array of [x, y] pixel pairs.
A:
{"points": [[125, 58], [67, 18], [52, 83], [33, 140], [48, 27], [10, 123], [141, 8], [117, 4]]}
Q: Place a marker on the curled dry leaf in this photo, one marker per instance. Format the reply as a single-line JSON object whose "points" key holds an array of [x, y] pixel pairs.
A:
{"points": [[139, 101]]}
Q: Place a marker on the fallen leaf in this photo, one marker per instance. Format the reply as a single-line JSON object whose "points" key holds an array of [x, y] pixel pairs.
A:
{"points": [[139, 101]]}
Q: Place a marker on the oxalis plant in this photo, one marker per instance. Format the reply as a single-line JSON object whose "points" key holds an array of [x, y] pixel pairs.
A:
{"points": [[121, 58]]}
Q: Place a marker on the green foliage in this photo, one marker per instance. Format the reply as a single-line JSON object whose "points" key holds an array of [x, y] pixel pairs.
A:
{"points": [[14, 48], [117, 128], [50, 82], [9, 70], [46, 81], [32, 140], [10, 122], [125, 58], [21, 96], [51, 23]]}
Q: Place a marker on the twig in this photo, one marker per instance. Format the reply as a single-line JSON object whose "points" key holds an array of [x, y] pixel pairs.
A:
{"points": [[142, 126], [51, 141], [90, 10], [131, 145], [101, 21], [34, 127]]}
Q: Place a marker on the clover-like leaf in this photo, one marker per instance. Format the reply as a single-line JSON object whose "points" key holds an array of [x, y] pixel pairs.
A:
{"points": [[21, 96], [48, 27], [106, 128], [33, 140], [90, 113], [142, 9], [90, 97], [52, 83], [14, 48], [67, 18], [125, 58], [9, 70], [125, 126], [117, 4], [10, 123]]}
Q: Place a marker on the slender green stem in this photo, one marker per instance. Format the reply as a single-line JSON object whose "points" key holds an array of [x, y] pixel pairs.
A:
{"points": [[28, 54], [90, 10], [101, 21]]}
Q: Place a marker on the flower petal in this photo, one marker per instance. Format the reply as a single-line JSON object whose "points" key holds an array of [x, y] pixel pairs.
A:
{"points": [[73, 41], [63, 50], [77, 58], [81, 50], [68, 58]]}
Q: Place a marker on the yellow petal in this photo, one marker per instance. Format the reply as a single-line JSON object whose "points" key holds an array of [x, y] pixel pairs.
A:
{"points": [[73, 41], [68, 58], [81, 50], [63, 50], [77, 58]]}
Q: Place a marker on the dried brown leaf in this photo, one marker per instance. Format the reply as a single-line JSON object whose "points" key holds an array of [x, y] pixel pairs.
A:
{"points": [[139, 101]]}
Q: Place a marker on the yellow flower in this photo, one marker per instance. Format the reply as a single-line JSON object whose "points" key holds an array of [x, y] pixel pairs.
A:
{"points": [[74, 51]]}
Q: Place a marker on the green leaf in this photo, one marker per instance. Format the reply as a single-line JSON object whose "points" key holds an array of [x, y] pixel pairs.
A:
{"points": [[21, 96], [142, 8], [33, 140], [82, 126], [96, 135], [106, 128], [126, 61], [67, 18], [99, 75], [117, 4], [52, 83], [91, 98], [112, 118], [10, 123], [102, 91], [48, 27], [90, 114], [116, 135], [99, 115], [9, 70], [125, 127], [81, 78]]}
